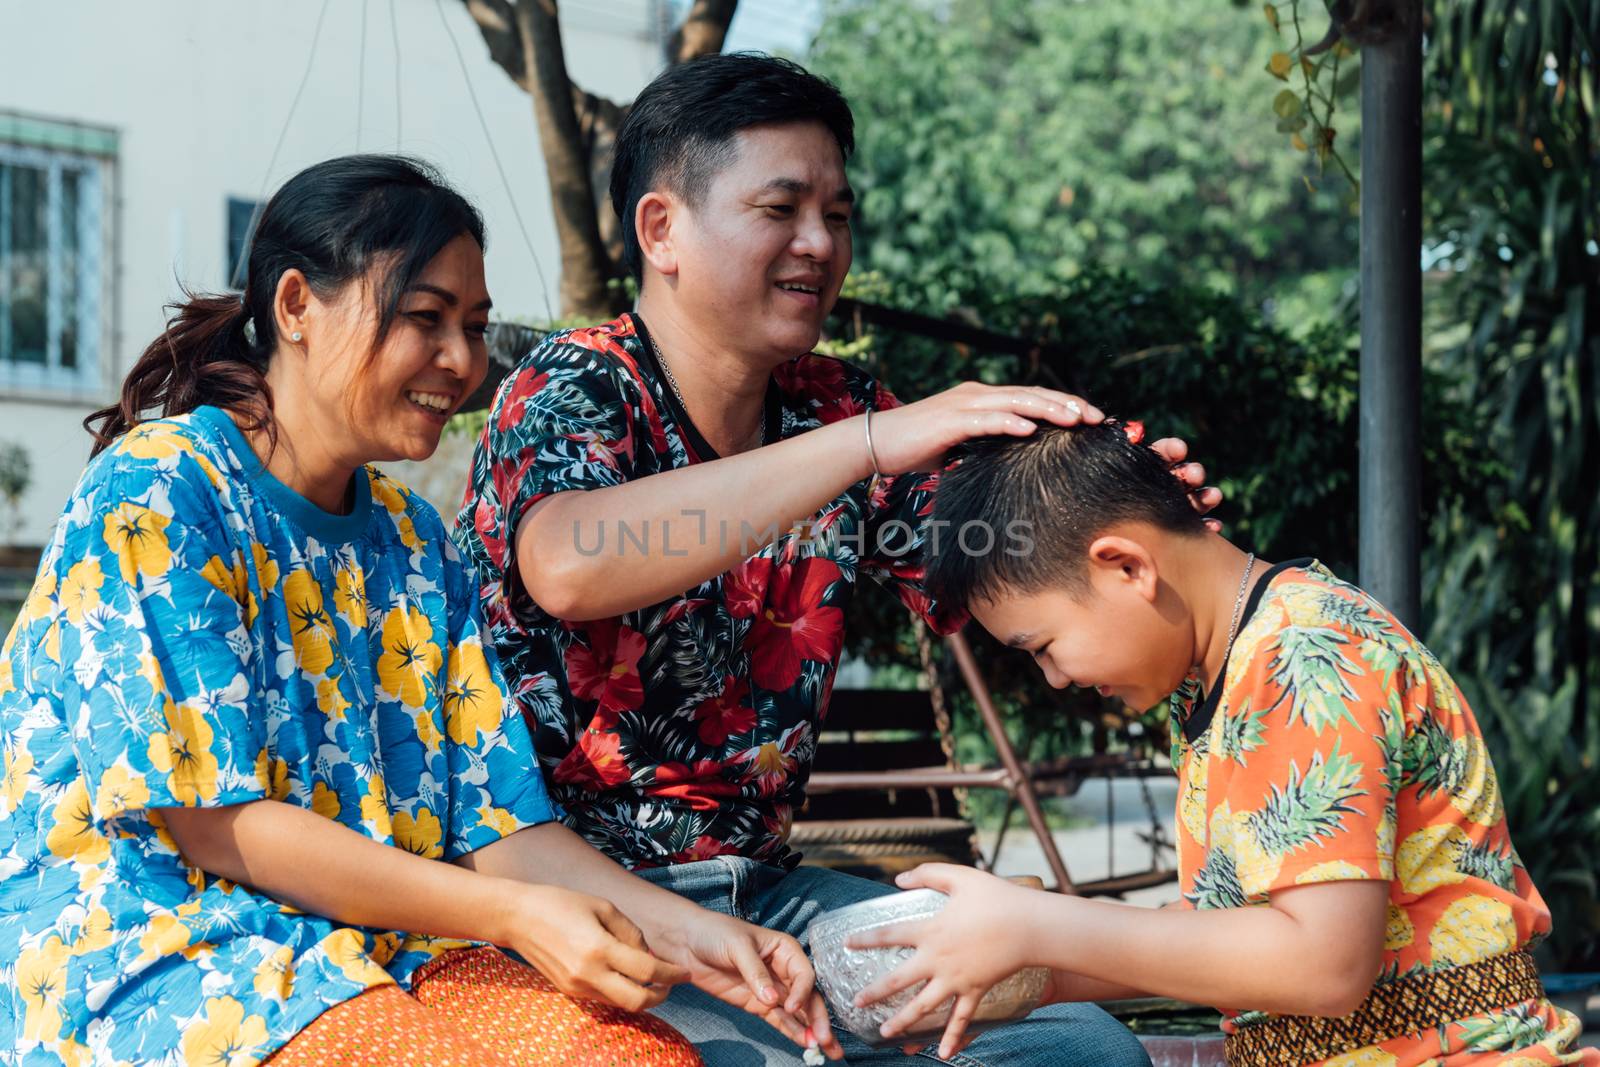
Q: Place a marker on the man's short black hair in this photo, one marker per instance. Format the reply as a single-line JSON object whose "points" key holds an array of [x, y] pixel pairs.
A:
{"points": [[680, 129], [1046, 497]]}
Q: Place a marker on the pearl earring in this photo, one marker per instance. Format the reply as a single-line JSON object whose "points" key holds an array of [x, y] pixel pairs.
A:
{"points": [[296, 336]]}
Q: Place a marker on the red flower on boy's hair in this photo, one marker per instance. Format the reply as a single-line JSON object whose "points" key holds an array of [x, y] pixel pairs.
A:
{"points": [[1134, 429]]}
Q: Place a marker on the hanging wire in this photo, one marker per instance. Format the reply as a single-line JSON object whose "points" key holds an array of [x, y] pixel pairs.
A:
{"points": [[234, 282], [394, 33], [361, 76], [494, 154]]}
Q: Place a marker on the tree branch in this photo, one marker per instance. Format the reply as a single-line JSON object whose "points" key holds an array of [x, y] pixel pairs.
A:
{"points": [[497, 23], [703, 32]]}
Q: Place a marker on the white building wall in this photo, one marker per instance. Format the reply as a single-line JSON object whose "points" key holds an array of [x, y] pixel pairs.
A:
{"points": [[198, 92]]}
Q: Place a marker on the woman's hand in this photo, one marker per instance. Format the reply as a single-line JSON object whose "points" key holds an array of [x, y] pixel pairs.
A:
{"points": [[586, 947], [757, 970], [976, 941]]}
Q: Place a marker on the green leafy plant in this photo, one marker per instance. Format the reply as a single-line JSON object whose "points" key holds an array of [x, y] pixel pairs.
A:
{"points": [[16, 475], [1305, 108], [1511, 212], [956, 220]]}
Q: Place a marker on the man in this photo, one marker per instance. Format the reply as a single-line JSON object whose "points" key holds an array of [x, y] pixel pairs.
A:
{"points": [[663, 622]]}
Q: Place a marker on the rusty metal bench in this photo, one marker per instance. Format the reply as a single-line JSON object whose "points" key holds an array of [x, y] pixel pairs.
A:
{"points": [[886, 790], [875, 806]]}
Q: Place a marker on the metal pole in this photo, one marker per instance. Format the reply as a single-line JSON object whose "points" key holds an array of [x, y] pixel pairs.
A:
{"points": [[1021, 786], [1391, 314]]}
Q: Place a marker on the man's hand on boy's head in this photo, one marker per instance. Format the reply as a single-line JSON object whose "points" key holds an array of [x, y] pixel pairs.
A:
{"points": [[1204, 497], [917, 436], [979, 939]]}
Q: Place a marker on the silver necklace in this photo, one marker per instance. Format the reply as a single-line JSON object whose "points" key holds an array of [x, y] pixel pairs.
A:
{"points": [[661, 362], [1238, 607]]}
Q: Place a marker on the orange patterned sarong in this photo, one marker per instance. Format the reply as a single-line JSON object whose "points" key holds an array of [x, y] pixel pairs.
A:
{"points": [[480, 1008]]}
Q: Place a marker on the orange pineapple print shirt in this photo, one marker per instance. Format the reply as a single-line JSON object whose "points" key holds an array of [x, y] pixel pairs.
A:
{"points": [[1336, 747]]}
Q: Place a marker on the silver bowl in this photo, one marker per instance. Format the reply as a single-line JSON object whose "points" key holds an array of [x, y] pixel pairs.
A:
{"points": [[842, 972]]}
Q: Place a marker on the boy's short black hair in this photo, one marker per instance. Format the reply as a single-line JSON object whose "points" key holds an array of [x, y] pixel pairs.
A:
{"points": [[680, 129], [1045, 497]]}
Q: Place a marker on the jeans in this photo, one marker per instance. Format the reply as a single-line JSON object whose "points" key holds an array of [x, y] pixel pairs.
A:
{"points": [[1058, 1035]]}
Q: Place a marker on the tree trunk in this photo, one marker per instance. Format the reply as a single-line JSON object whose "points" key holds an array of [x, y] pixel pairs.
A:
{"points": [[585, 267], [578, 132], [599, 120]]}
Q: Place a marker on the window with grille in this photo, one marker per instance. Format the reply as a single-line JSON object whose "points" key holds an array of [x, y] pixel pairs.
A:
{"points": [[52, 246]]}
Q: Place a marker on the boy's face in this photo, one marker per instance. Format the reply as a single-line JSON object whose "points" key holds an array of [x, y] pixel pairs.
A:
{"points": [[1127, 636]]}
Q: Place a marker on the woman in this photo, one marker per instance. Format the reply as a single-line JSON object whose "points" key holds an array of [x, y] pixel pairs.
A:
{"points": [[246, 710]]}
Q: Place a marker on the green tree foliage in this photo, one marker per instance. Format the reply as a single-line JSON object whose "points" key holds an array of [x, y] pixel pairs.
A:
{"points": [[1512, 217], [1006, 144]]}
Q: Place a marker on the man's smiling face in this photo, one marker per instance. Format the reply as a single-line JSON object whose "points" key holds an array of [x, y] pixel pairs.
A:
{"points": [[763, 252]]}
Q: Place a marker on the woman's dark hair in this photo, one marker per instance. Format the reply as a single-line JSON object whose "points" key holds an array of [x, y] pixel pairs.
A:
{"points": [[1037, 503], [334, 222], [679, 132]]}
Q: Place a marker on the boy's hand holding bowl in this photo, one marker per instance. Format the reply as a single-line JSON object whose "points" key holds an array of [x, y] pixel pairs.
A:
{"points": [[966, 938]]}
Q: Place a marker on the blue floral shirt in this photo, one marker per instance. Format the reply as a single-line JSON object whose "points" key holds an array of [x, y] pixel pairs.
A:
{"points": [[200, 635]]}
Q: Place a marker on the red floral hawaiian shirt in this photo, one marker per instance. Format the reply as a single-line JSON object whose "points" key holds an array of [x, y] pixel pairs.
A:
{"points": [[686, 729]]}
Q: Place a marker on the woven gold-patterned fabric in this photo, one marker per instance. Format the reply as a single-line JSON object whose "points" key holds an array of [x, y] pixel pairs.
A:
{"points": [[1420, 1002]]}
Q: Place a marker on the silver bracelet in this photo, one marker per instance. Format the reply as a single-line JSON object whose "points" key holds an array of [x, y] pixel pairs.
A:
{"points": [[871, 452]]}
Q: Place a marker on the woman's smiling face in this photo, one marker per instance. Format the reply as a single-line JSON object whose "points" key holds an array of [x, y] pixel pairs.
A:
{"points": [[397, 397]]}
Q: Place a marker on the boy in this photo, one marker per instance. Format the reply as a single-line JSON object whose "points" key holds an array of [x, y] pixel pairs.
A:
{"points": [[1347, 874]]}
